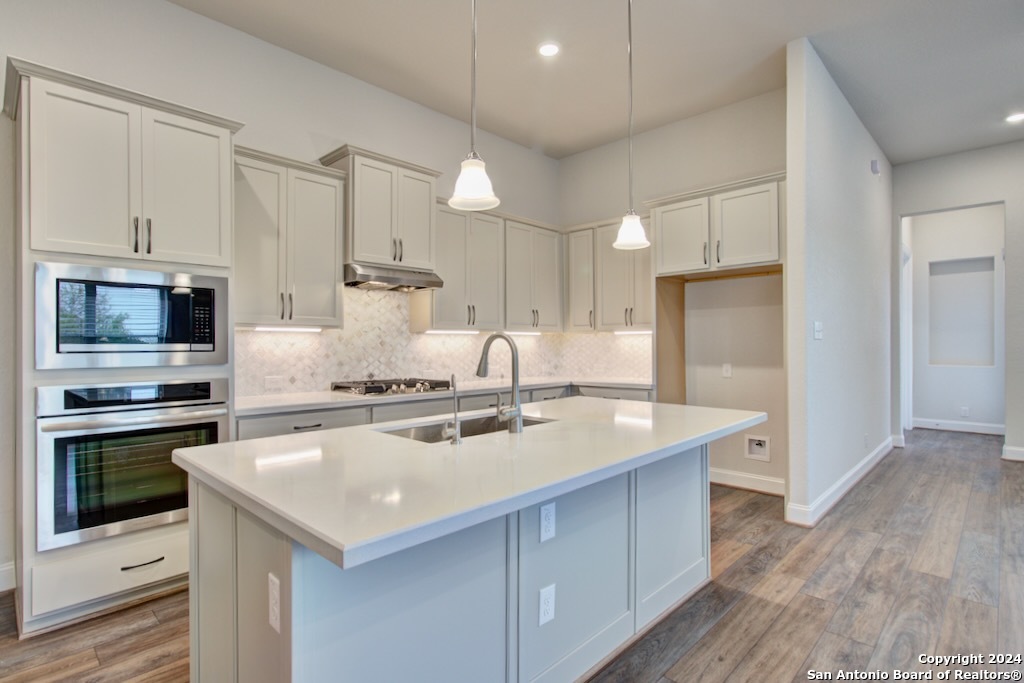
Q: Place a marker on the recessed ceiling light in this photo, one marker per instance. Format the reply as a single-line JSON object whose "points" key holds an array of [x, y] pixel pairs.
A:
{"points": [[1015, 118], [549, 49]]}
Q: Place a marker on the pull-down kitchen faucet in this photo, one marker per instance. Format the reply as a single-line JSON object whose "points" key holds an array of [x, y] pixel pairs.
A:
{"points": [[452, 429], [512, 414]]}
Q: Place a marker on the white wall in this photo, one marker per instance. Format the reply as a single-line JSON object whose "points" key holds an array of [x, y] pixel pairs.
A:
{"points": [[290, 106], [983, 176], [958, 358], [739, 321], [742, 140], [838, 272]]}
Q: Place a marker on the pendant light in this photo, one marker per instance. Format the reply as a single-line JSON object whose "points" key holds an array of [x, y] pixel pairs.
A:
{"points": [[473, 190], [631, 233]]}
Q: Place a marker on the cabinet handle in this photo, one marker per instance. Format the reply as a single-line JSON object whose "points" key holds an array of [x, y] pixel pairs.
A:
{"points": [[394, 249], [705, 253], [718, 251], [299, 428], [625, 316], [282, 305], [474, 314], [631, 321], [149, 235], [291, 306], [135, 222], [591, 318], [401, 249], [469, 314], [143, 564]]}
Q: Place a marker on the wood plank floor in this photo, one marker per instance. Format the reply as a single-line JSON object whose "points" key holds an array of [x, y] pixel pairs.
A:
{"points": [[924, 556]]}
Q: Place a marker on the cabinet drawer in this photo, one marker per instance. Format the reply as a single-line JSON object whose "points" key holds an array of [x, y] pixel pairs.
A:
{"points": [[77, 580], [293, 423], [482, 401], [549, 394], [411, 409], [608, 392]]}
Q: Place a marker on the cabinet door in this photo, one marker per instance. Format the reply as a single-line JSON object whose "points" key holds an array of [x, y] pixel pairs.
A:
{"points": [[261, 191], [519, 311], [85, 171], [682, 237], [547, 285], [486, 266], [314, 249], [374, 206], [450, 302], [186, 190], [641, 313], [614, 271], [746, 226], [415, 222], [581, 281]]}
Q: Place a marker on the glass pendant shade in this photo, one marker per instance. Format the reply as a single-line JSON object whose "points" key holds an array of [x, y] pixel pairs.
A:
{"points": [[631, 233], [473, 190]]}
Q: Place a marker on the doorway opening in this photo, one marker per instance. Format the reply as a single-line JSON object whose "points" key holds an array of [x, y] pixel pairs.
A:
{"points": [[953, 320]]}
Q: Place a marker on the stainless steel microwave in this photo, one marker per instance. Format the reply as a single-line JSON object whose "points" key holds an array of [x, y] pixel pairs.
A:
{"points": [[89, 317]]}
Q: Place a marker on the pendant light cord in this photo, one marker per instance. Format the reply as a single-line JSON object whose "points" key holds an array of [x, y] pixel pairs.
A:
{"points": [[472, 90], [629, 52]]}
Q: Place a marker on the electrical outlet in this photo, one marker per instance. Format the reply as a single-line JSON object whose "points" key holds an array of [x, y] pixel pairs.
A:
{"points": [[819, 330], [965, 411], [758, 447], [727, 370], [273, 382], [274, 594], [547, 604], [547, 521]]}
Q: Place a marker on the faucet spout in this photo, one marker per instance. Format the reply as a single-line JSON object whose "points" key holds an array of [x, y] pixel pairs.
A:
{"points": [[512, 414]]}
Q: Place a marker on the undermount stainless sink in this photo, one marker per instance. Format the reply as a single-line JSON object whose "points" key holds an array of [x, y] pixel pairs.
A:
{"points": [[434, 431]]}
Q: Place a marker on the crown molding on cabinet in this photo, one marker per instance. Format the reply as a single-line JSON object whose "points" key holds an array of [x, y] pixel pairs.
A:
{"points": [[714, 189], [20, 68], [334, 156], [258, 155]]}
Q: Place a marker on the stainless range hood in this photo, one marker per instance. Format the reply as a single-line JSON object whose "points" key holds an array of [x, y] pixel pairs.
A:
{"points": [[369, 276]]}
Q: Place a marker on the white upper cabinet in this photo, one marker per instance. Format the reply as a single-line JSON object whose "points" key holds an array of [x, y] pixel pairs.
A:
{"points": [[581, 316], [470, 261], [624, 283], [533, 286], [288, 218], [725, 230], [391, 209], [682, 236], [111, 177]]}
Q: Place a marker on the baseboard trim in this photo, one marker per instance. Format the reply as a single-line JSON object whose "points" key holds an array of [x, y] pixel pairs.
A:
{"points": [[898, 441], [7, 580], [960, 426], [744, 480], [1013, 453], [809, 515]]}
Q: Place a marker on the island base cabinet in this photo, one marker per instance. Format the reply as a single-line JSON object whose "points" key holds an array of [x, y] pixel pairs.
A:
{"points": [[435, 611], [587, 562], [672, 547]]}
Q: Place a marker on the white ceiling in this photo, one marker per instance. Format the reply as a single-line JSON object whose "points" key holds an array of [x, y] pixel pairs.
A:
{"points": [[927, 77]]}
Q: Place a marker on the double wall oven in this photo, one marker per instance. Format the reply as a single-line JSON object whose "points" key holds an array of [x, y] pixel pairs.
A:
{"points": [[103, 447]]}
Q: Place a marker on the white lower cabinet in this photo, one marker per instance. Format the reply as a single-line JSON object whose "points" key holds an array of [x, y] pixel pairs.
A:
{"points": [[462, 607], [158, 556], [672, 560], [587, 563], [294, 423]]}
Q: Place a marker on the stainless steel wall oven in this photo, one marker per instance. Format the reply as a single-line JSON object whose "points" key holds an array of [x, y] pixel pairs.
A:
{"points": [[104, 455], [87, 317]]}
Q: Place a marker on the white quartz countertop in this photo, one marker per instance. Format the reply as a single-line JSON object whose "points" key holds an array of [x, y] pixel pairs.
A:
{"points": [[252, 406], [356, 494]]}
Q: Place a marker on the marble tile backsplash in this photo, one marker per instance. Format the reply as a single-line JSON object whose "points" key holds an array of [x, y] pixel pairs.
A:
{"points": [[376, 342]]}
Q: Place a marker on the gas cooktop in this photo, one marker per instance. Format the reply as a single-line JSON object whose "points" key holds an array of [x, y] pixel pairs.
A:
{"points": [[408, 385]]}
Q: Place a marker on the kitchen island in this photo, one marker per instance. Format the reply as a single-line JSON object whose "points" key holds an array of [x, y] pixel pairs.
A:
{"points": [[355, 554]]}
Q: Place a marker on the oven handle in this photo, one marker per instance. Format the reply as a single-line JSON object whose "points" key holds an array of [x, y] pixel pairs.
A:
{"points": [[93, 425]]}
